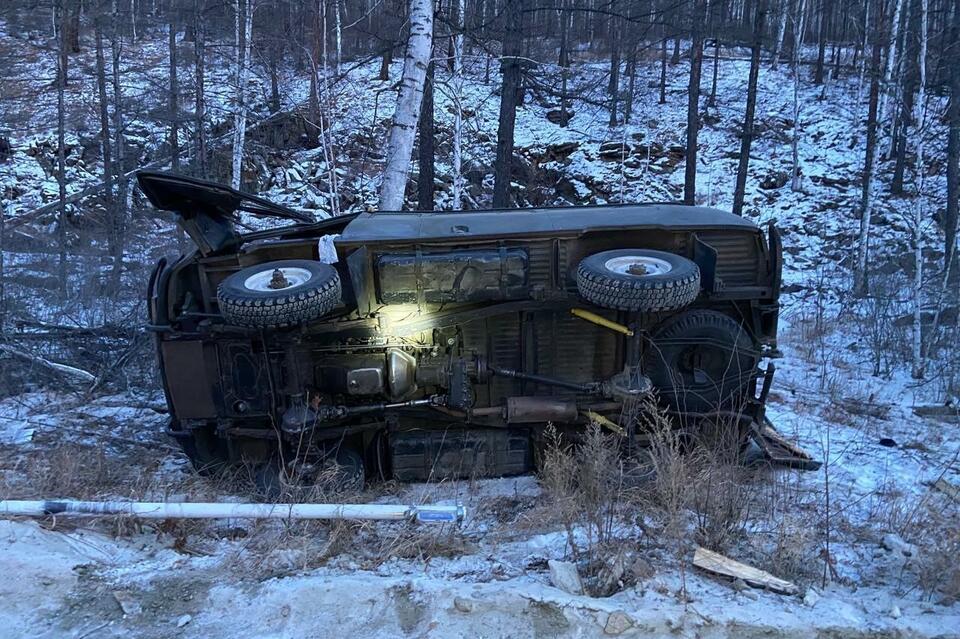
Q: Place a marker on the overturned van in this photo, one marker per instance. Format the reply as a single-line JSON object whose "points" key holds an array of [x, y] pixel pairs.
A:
{"points": [[425, 345]]}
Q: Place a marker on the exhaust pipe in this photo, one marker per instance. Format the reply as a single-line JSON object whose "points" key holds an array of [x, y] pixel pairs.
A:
{"points": [[216, 510]]}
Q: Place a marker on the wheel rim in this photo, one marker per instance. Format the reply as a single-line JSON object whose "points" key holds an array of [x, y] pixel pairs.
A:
{"points": [[638, 265], [266, 281]]}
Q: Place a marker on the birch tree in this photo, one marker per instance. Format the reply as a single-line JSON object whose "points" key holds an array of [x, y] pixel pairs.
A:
{"points": [[781, 30], [404, 127], [795, 182], [891, 58], [243, 37]]}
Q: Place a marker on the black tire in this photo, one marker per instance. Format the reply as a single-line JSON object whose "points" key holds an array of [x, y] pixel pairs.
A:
{"points": [[339, 471], [700, 361], [671, 288], [251, 304], [204, 450]]}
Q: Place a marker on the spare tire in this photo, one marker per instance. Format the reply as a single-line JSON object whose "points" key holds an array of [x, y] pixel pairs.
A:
{"points": [[638, 280], [276, 294], [700, 361]]}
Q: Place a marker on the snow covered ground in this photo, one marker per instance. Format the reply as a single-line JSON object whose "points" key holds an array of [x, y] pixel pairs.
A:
{"points": [[843, 392]]}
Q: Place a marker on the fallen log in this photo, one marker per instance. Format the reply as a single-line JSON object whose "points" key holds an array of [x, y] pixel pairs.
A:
{"points": [[63, 369], [216, 510], [718, 564]]}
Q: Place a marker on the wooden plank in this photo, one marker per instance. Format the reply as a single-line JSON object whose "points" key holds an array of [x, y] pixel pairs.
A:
{"points": [[718, 564]]}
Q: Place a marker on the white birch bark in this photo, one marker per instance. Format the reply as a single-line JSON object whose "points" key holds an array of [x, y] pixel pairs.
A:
{"points": [[920, 114], [781, 30], [887, 89], [407, 113], [795, 182], [458, 109], [243, 16], [338, 33]]}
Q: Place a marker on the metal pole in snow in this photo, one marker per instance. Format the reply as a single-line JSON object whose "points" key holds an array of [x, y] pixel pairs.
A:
{"points": [[199, 510]]}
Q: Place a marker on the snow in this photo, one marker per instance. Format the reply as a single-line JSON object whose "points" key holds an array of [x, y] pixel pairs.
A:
{"points": [[489, 578]]}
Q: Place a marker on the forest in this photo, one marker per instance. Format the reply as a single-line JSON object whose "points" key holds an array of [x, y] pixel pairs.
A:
{"points": [[837, 122]]}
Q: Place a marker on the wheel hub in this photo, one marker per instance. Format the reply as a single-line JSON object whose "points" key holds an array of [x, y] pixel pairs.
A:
{"points": [[639, 265]]}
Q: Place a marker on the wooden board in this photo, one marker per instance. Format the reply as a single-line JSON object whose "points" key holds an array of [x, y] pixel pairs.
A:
{"points": [[718, 564]]}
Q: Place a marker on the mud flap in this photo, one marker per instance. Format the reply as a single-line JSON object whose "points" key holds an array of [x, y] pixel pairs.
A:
{"points": [[778, 450]]}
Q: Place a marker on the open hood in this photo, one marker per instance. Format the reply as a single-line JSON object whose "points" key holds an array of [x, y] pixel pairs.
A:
{"points": [[208, 211]]}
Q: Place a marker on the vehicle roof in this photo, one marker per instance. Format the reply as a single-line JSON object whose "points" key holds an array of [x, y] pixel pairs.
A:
{"points": [[385, 226]]}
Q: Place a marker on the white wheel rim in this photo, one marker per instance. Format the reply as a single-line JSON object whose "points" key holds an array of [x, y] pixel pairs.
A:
{"points": [[638, 265], [261, 281]]}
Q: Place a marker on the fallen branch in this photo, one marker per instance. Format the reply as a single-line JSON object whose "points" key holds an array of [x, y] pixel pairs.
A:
{"points": [[64, 369]]}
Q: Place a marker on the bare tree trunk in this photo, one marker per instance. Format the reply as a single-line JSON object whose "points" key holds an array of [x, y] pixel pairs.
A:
{"points": [[338, 34], [747, 137], [663, 70], [781, 30], [61, 151], [118, 220], [712, 100], [795, 181], [693, 105], [458, 106], [199, 109], [105, 141], [404, 128], [564, 61], [174, 99], [510, 65], [425, 149], [891, 57], [614, 86], [860, 282], [825, 7], [631, 72], [953, 150], [920, 118], [243, 20]]}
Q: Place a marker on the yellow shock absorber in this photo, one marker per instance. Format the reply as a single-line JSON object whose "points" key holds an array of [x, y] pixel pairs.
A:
{"points": [[599, 419], [601, 321]]}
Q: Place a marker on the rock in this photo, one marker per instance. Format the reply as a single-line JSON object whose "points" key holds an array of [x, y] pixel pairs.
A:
{"points": [[641, 569], [610, 577], [618, 622], [128, 604], [811, 598], [559, 117], [739, 585], [774, 180], [749, 594], [894, 543], [183, 620], [614, 151], [564, 575], [895, 612], [560, 152], [463, 604]]}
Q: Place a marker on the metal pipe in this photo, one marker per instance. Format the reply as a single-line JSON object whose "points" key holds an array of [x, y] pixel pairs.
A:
{"points": [[543, 379], [201, 510]]}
